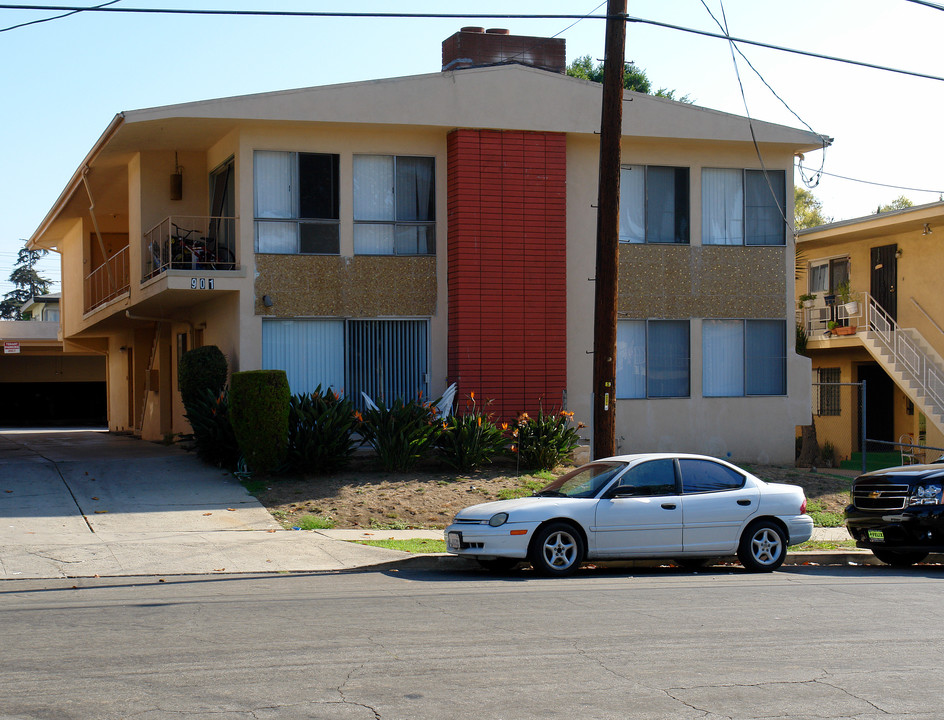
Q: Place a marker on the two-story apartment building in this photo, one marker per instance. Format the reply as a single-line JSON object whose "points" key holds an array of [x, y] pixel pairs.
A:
{"points": [[895, 339], [393, 236]]}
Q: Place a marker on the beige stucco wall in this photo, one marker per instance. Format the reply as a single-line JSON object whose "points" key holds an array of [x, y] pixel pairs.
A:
{"points": [[685, 282]]}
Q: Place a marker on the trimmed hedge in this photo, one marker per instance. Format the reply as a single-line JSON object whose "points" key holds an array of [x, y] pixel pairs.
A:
{"points": [[258, 407], [201, 369]]}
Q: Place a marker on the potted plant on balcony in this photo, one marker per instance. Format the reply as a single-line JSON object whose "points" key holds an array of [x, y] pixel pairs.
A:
{"points": [[845, 296], [806, 301]]}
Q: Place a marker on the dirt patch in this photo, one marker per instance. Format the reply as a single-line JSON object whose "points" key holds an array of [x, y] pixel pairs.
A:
{"points": [[429, 497]]}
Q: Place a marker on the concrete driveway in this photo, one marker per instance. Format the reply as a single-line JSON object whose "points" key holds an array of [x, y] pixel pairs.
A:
{"points": [[87, 503]]}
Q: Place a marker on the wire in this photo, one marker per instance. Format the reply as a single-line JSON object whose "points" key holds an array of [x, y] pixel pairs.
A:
{"points": [[750, 120], [543, 40], [467, 16], [927, 4], [57, 17], [811, 182], [769, 46], [870, 182]]}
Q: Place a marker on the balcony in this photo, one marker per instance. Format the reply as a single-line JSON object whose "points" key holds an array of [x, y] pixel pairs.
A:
{"points": [[108, 281], [190, 243]]}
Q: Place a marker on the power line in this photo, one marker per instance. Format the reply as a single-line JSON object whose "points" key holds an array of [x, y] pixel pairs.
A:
{"points": [[468, 16], [57, 17], [927, 4], [870, 182]]}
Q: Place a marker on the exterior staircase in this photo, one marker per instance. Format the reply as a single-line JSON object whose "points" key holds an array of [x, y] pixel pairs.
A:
{"points": [[908, 359]]}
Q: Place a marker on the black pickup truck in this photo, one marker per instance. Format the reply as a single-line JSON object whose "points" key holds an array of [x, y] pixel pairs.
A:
{"points": [[898, 513]]}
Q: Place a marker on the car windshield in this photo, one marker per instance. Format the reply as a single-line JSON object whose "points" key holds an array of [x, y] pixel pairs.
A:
{"points": [[584, 482]]}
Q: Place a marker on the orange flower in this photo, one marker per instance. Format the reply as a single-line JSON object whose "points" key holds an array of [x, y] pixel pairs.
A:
{"points": [[580, 425], [504, 426], [357, 414], [472, 394], [566, 414], [480, 421]]}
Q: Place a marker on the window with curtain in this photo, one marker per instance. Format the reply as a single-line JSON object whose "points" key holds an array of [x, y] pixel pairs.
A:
{"points": [[394, 205], [743, 207], [296, 202], [653, 359], [654, 204], [386, 359], [744, 357]]}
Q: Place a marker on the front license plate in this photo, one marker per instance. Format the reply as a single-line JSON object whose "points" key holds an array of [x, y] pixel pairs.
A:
{"points": [[455, 541], [876, 536]]}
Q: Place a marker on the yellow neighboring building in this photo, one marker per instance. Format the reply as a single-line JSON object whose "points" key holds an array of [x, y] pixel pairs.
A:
{"points": [[398, 235], [892, 338]]}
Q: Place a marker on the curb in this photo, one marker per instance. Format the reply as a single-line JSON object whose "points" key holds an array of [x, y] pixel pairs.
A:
{"points": [[452, 563]]}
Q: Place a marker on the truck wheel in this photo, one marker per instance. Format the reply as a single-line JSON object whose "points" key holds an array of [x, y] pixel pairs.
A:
{"points": [[899, 559]]}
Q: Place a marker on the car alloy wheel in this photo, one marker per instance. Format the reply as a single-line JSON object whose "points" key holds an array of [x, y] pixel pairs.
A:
{"points": [[557, 550], [763, 547]]}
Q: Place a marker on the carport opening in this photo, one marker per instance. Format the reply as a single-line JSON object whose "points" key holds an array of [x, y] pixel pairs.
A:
{"points": [[53, 404]]}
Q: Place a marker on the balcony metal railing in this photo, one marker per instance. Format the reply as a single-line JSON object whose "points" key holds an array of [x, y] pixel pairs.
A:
{"points": [[190, 243], [109, 280], [818, 318]]}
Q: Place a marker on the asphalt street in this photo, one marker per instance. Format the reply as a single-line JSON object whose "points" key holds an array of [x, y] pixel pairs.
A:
{"points": [[853, 643]]}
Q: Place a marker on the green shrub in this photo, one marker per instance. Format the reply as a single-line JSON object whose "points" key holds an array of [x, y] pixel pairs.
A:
{"points": [[259, 401], [203, 368], [320, 429], [401, 434], [543, 442], [212, 430], [469, 441]]}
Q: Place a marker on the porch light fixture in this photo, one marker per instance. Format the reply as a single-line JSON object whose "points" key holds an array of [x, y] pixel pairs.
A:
{"points": [[267, 301], [898, 253], [177, 181], [927, 229]]}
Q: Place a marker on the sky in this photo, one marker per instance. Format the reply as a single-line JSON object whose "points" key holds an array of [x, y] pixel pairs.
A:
{"points": [[64, 80]]}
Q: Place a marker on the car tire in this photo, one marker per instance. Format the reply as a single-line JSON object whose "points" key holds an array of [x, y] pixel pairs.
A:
{"points": [[899, 559], [557, 550], [763, 547], [499, 564]]}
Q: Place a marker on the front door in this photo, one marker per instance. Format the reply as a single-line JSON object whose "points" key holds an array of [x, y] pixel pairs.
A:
{"points": [[885, 278], [642, 515]]}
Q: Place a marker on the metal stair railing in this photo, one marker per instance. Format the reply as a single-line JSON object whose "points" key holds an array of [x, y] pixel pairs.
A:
{"points": [[906, 352]]}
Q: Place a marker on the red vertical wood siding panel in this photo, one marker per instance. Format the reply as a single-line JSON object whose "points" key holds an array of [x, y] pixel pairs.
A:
{"points": [[507, 268]]}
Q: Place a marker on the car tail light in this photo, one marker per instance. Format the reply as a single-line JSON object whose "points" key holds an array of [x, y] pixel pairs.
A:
{"points": [[803, 507]]}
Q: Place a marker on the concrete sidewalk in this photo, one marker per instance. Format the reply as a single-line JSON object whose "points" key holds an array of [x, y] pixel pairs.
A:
{"points": [[87, 504]]}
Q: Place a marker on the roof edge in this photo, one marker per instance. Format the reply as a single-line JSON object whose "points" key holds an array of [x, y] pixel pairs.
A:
{"points": [[75, 180]]}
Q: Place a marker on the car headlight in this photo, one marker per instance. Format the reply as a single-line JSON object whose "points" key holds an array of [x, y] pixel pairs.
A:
{"points": [[926, 495], [498, 519]]}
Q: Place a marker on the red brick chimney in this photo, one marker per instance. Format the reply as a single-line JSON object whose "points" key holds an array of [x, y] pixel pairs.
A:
{"points": [[475, 47]]}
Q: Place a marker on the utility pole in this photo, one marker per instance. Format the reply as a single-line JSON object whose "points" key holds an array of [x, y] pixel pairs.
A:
{"points": [[607, 269]]}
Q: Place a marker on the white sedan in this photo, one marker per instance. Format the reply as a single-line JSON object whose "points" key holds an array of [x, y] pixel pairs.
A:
{"points": [[687, 508]]}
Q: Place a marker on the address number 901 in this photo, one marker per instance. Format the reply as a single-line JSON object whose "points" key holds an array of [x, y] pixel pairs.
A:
{"points": [[202, 283]]}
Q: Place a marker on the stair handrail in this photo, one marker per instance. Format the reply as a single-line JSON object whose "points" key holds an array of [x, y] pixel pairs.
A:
{"points": [[925, 313], [906, 351]]}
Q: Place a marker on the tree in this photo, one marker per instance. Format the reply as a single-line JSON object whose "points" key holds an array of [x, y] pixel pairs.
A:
{"points": [[807, 210], [899, 203], [28, 283], [634, 78]]}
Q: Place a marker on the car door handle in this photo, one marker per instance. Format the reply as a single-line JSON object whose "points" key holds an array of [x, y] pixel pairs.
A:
{"points": [[744, 502], [668, 506]]}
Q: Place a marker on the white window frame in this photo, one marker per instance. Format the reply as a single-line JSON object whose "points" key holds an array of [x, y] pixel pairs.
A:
{"points": [[726, 213], [733, 357], [280, 231], [386, 232], [638, 364], [634, 196]]}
